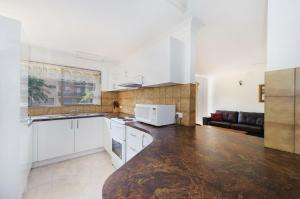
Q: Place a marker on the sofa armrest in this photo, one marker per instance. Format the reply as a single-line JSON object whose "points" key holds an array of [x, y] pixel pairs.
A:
{"points": [[206, 120]]}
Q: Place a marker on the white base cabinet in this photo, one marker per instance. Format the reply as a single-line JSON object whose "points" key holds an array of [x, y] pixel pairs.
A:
{"points": [[88, 133], [136, 141], [56, 138]]}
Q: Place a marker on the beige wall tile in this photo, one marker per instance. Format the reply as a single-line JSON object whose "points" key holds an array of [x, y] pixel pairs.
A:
{"points": [[280, 110], [162, 92], [98, 109], [193, 104], [280, 82], [176, 91], [106, 102], [162, 100], [279, 136], [107, 109], [169, 92], [185, 91], [156, 92], [185, 104], [169, 101], [176, 101]]}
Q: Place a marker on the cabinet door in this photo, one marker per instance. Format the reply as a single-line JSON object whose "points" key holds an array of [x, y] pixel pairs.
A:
{"points": [[134, 138], [147, 139], [55, 138], [107, 135], [130, 152], [88, 133]]}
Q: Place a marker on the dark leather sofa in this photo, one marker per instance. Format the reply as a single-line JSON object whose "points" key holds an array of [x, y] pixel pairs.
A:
{"points": [[252, 123]]}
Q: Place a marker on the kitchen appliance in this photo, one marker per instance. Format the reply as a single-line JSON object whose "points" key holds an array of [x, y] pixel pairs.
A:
{"points": [[157, 115], [133, 82], [118, 135]]}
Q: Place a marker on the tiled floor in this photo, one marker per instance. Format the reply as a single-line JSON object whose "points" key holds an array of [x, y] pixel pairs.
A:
{"points": [[80, 178]]}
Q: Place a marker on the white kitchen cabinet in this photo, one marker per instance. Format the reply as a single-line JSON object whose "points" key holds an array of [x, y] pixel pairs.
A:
{"points": [[134, 138], [163, 62], [88, 133], [55, 138], [147, 139], [136, 141], [107, 135]]}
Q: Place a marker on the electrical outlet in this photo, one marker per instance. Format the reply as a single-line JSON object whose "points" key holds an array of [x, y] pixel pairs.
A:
{"points": [[179, 115]]}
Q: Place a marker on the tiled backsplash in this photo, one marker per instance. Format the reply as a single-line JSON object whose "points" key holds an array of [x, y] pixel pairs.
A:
{"points": [[183, 96], [106, 100]]}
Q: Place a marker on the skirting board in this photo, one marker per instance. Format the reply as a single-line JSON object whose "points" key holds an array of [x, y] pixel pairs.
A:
{"points": [[66, 157]]}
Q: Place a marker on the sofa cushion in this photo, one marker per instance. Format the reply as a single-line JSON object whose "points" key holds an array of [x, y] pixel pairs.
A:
{"points": [[216, 117], [220, 124], [229, 116], [256, 119], [248, 128]]}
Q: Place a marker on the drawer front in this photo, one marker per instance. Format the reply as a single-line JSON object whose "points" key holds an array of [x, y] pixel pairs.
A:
{"points": [[130, 152], [134, 138]]}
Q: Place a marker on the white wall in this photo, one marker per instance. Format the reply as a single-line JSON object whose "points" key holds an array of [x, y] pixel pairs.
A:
{"points": [[153, 57], [283, 34], [41, 54], [227, 94], [15, 137]]}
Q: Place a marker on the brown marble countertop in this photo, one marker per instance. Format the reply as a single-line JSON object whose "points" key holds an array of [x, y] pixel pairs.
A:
{"points": [[204, 162]]}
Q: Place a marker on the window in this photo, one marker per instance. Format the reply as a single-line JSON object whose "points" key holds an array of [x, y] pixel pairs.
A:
{"points": [[53, 85]]}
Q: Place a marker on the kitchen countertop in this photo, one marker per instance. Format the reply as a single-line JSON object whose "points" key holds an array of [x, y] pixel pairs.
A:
{"points": [[205, 162], [74, 116]]}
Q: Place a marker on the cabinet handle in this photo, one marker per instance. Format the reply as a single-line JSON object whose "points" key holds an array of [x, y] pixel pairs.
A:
{"points": [[71, 124], [143, 136], [132, 149], [77, 123], [132, 135]]}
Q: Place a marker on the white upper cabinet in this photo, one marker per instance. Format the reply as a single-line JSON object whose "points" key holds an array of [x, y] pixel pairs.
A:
{"points": [[88, 133], [162, 62], [55, 138]]}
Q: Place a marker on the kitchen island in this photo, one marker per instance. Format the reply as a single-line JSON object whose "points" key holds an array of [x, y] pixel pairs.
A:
{"points": [[205, 162]]}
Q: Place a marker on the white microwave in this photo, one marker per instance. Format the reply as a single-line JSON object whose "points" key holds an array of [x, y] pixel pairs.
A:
{"points": [[157, 115]]}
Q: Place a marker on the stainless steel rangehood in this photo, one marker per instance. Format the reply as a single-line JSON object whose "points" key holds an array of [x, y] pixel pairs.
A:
{"points": [[134, 82]]}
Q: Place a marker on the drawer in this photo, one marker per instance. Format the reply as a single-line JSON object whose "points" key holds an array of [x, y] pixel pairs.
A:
{"points": [[134, 138], [130, 152]]}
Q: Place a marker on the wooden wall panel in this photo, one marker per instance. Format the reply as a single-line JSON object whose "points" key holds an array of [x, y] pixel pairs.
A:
{"points": [[280, 110], [297, 112]]}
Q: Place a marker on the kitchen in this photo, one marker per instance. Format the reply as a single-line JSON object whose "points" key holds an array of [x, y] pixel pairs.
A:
{"points": [[99, 114]]}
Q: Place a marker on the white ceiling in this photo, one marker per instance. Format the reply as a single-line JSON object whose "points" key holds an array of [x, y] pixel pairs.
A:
{"points": [[232, 37], [109, 28]]}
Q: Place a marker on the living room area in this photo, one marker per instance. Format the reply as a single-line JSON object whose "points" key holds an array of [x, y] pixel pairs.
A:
{"points": [[231, 65], [248, 77]]}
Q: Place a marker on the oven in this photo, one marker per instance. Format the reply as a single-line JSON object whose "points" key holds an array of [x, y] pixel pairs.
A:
{"points": [[118, 143]]}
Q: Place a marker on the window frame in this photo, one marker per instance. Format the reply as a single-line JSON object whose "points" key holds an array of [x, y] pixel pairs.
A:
{"points": [[62, 80]]}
